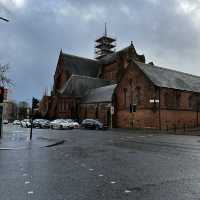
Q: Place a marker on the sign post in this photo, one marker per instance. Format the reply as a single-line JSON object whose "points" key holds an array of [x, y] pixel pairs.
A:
{"points": [[34, 105]]}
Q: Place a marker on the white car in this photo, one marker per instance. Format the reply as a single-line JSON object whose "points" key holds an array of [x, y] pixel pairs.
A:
{"points": [[26, 123], [5, 121], [16, 122], [73, 123], [61, 124]]}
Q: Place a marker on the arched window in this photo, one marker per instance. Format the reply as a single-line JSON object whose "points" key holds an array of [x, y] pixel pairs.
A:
{"points": [[171, 99]]}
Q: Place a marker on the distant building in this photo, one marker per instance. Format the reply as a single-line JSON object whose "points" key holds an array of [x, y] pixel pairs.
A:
{"points": [[142, 95], [9, 110]]}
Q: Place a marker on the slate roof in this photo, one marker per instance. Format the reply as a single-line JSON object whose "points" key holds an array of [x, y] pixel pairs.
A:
{"points": [[81, 66], [111, 58], [78, 86], [168, 78], [101, 94]]}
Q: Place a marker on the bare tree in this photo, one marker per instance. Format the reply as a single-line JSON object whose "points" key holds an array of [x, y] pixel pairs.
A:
{"points": [[4, 80]]}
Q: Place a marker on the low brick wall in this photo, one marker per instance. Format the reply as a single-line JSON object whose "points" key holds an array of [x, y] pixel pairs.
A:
{"points": [[146, 118]]}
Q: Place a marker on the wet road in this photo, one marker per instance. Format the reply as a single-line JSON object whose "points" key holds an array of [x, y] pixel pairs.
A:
{"points": [[98, 165]]}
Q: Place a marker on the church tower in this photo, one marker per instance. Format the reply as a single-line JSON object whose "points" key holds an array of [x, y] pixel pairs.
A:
{"points": [[104, 45]]}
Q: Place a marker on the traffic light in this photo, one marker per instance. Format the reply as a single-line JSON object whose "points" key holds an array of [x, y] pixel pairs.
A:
{"points": [[1, 94], [35, 103]]}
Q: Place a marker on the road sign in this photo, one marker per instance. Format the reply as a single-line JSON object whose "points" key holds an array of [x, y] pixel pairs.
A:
{"points": [[154, 101]]}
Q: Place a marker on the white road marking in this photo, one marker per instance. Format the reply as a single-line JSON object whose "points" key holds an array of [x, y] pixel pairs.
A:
{"points": [[112, 182], [25, 174], [100, 175], [127, 191], [30, 192], [91, 169], [27, 182]]}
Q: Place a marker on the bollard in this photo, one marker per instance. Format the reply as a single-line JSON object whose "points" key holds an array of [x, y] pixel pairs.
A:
{"points": [[184, 127]]}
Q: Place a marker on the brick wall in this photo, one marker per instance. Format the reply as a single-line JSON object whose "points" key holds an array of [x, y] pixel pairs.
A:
{"points": [[173, 112], [96, 111]]}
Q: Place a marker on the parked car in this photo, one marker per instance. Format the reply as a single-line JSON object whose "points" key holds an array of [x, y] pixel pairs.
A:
{"points": [[5, 121], [61, 124], [43, 123], [16, 122], [26, 123], [36, 123], [92, 124], [73, 123], [54, 123]]}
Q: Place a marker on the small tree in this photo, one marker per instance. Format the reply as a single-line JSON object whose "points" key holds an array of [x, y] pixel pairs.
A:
{"points": [[4, 80], [23, 109]]}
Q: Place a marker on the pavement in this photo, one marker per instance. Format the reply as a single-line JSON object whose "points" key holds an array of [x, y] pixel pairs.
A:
{"points": [[108, 165], [17, 138]]}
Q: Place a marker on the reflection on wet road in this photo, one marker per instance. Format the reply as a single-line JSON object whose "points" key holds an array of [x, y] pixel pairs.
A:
{"points": [[101, 165]]}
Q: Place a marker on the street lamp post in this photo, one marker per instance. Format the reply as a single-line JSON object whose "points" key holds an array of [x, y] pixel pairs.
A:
{"points": [[2, 95]]}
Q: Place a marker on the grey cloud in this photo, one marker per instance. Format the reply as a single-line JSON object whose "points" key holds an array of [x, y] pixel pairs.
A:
{"points": [[32, 40]]}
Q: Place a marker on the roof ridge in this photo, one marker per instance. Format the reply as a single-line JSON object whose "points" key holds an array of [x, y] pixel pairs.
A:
{"points": [[76, 75], [168, 69], [71, 55], [112, 84]]}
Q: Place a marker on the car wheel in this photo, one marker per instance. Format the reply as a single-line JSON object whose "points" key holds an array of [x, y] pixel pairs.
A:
{"points": [[97, 127]]}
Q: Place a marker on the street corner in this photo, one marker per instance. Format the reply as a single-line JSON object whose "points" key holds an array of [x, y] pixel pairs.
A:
{"points": [[26, 143]]}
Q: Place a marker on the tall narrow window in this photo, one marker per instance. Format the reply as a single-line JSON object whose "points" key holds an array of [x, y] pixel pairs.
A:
{"points": [[125, 99], [178, 99], [97, 112], [138, 95]]}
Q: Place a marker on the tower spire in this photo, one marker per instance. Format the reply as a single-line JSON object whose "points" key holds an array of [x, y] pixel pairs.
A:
{"points": [[105, 29], [104, 45]]}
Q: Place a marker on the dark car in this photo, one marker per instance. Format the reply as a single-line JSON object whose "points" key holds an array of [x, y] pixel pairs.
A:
{"points": [[92, 124]]}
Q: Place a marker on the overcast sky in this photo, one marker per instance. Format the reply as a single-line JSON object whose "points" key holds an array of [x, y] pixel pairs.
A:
{"points": [[166, 32]]}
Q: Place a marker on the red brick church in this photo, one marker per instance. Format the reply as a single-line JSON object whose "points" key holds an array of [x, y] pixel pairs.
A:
{"points": [[140, 95]]}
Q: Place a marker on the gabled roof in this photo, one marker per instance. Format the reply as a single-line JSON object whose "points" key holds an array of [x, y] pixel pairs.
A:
{"points": [[168, 78], [78, 86], [80, 66], [101, 94], [111, 58]]}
